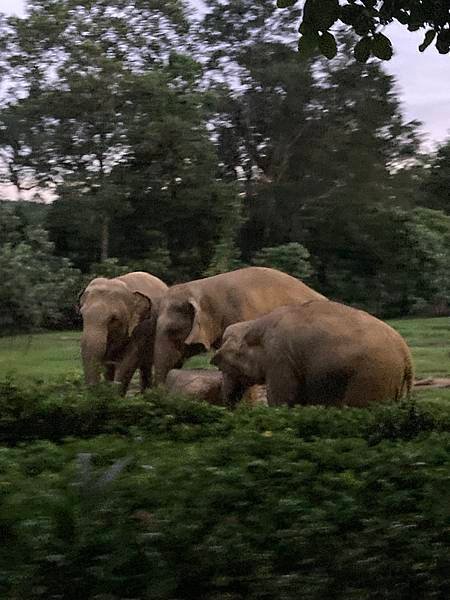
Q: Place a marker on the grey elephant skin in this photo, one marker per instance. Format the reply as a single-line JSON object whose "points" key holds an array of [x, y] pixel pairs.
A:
{"points": [[138, 354], [193, 316], [111, 309], [321, 352], [206, 385]]}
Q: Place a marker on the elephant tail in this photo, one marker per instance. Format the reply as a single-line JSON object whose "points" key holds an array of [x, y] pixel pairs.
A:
{"points": [[408, 379]]}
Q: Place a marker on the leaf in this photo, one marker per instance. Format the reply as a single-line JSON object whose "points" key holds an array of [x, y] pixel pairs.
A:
{"points": [[307, 44], [443, 41], [350, 13], [285, 3], [362, 49], [306, 28], [327, 45], [429, 37], [358, 17], [381, 46], [321, 14]]}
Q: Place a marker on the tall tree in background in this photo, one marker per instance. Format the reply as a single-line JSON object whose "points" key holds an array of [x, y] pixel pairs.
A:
{"points": [[324, 146], [188, 148], [69, 61], [435, 187]]}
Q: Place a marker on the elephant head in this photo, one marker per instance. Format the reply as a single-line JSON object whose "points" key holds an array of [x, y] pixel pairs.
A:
{"points": [[241, 358], [110, 312], [184, 328]]}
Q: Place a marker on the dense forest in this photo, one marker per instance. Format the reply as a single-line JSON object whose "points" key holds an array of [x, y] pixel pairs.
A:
{"points": [[186, 145]]}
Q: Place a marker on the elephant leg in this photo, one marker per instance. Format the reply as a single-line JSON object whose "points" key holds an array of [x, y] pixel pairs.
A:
{"points": [[282, 386], [146, 367], [232, 391], [109, 371], [146, 379]]}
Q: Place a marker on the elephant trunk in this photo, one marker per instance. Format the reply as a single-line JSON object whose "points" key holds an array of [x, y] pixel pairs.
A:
{"points": [[93, 351], [167, 356]]}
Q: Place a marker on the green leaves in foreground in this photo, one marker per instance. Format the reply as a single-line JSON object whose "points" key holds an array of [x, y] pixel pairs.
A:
{"points": [[378, 45], [366, 19], [179, 499]]}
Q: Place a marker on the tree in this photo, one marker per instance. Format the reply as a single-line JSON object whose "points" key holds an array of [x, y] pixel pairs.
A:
{"points": [[320, 156], [292, 258], [366, 18], [226, 255], [435, 186], [63, 119], [38, 289]]}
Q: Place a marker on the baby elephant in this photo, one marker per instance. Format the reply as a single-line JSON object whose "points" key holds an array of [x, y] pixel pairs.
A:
{"points": [[321, 352], [137, 354]]}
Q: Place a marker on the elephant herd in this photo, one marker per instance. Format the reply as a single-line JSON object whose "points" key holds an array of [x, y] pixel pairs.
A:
{"points": [[265, 326]]}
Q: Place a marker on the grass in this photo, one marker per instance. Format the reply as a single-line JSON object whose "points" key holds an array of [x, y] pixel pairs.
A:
{"points": [[429, 342], [50, 355], [42, 356]]}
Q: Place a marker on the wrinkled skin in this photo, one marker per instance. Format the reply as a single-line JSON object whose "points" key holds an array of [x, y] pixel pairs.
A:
{"points": [[194, 315], [137, 354], [111, 309], [202, 384], [321, 352], [206, 385]]}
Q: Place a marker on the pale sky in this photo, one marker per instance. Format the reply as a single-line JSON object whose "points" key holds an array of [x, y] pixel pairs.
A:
{"points": [[423, 79]]}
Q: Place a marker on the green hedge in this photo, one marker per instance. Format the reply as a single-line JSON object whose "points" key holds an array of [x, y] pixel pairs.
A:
{"points": [[56, 411], [166, 498]]}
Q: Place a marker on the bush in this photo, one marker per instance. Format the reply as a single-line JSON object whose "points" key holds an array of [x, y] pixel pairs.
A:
{"points": [[55, 411], [38, 289], [292, 258], [179, 499]]}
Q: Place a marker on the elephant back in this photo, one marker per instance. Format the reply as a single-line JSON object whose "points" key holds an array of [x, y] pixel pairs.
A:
{"points": [[145, 283]]}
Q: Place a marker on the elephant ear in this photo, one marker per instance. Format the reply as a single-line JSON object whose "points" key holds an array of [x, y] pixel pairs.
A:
{"points": [[142, 309], [253, 335], [203, 329], [80, 301]]}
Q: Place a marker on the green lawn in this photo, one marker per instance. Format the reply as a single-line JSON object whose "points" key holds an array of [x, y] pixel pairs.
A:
{"points": [[53, 354], [42, 356], [429, 340]]}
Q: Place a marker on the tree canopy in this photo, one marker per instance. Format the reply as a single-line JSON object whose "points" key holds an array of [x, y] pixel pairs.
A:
{"points": [[187, 148]]}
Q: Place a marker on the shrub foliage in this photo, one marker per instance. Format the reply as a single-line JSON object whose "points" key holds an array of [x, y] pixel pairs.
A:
{"points": [[164, 497]]}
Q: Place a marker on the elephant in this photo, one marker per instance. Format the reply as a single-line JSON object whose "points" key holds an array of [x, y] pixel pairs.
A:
{"points": [[137, 354], [321, 352], [206, 385], [193, 316], [111, 309], [203, 384]]}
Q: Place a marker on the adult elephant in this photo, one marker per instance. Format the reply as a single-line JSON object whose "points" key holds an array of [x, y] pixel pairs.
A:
{"points": [[111, 309], [193, 316], [318, 353]]}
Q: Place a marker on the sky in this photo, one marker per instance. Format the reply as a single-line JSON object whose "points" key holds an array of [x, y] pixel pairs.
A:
{"points": [[423, 80]]}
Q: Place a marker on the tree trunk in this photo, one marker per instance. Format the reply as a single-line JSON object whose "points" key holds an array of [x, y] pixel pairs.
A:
{"points": [[104, 252]]}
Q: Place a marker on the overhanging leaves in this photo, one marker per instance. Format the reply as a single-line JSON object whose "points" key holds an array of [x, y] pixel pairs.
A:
{"points": [[381, 46], [327, 45], [369, 16], [362, 49]]}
